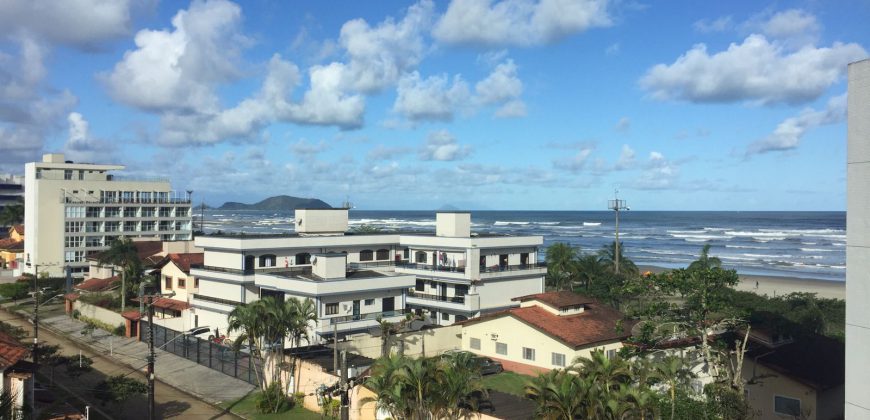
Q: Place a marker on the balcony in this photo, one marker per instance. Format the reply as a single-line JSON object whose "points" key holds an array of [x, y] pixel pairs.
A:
{"points": [[375, 264], [364, 317], [357, 322], [497, 270], [452, 299], [456, 273]]}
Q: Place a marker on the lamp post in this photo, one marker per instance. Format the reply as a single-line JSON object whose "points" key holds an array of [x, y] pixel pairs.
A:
{"points": [[35, 316], [616, 205]]}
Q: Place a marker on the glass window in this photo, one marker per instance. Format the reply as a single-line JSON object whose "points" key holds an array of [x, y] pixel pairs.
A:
{"points": [[75, 212], [611, 354], [558, 359], [74, 226], [167, 282], [331, 308], [420, 286], [445, 316], [130, 211], [501, 348], [181, 282], [74, 241], [147, 211], [786, 405], [383, 254], [528, 354], [475, 343], [406, 253], [113, 211], [461, 290], [67, 174], [370, 302], [130, 226], [267, 260], [420, 257], [196, 282], [112, 226], [366, 255]]}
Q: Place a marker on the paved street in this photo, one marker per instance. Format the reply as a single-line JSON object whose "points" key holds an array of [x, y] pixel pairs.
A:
{"points": [[170, 401]]}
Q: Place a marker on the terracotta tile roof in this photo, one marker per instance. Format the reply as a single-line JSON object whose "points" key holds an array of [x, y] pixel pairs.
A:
{"points": [[132, 315], [560, 299], [19, 229], [11, 351], [596, 324], [149, 252], [10, 244], [167, 303], [182, 261], [97, 285]]}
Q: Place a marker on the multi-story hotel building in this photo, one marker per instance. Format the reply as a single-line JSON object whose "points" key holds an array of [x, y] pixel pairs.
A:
{"points": [[73, 210], [355, 279], [858, 243]]}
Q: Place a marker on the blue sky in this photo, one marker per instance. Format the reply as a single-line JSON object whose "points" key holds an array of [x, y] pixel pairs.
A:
{"points": [[515, 104]]}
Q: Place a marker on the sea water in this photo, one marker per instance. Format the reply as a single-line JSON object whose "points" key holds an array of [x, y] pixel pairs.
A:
{"points": [[794, 244]]}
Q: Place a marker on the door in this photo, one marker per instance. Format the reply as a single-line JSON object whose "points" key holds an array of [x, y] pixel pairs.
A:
{"points": [[249, 263], [388, 304], [356, 309], [444, 292]]}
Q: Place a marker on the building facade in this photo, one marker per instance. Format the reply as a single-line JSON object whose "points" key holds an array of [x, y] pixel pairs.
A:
{"points": [[74, 210], [11, 189], [357, 279], [858, 243]]}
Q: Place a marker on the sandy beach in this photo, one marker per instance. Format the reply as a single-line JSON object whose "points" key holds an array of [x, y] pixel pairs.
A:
{"points": [[777, 286]]}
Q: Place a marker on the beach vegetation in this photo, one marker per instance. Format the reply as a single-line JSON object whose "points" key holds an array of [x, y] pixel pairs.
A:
{"points": [[607, 256], [562, 268], [123, 253]]}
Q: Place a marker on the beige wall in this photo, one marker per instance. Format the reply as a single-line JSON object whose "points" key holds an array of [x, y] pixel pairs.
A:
{"points": [[172, 271], [517, 335], [427, 343], [771, 383], [98, 313]]}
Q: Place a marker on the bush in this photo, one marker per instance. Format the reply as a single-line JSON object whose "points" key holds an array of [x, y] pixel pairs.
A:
{"points": [[331, 407], [118, 389], [120, 330], [272, 400], [76, 313], [77, 365], [14, 291], [12, 330], [109, 301], [299, 398], [94, 323]]}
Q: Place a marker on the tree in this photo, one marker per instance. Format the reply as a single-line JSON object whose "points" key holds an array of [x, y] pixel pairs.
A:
{"points": [[705, 261], [607, 373], [119, 388], [123, 253], [12, 214], [607, 256], [460, 386], [560, 394], [673, 372], [590, 269], [561, 265]]}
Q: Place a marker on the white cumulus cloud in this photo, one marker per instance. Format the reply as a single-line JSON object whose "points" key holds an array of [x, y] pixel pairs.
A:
{"points": [[518, 22], [433, 98], [788, 133], [756, 70], [441, 145], [83, 24]]}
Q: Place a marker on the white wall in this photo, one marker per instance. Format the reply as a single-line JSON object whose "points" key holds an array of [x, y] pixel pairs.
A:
{"points": [[498, 293]]}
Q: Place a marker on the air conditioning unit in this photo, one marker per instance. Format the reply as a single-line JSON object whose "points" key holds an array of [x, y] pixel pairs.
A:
{"points": [[493, 336]]}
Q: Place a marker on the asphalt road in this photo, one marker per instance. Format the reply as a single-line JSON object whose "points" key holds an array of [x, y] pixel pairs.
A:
{"points": [[170, 402]]}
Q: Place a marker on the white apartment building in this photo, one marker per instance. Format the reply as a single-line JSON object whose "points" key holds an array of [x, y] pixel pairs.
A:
{"points": [[858, 244], [354, 279], [73, 210], [11, 189]]}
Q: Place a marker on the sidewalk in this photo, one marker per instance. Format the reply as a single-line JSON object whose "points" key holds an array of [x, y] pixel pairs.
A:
{"points": [[202, 382]]}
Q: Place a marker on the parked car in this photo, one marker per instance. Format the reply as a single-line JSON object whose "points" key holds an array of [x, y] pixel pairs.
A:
{"points": [[488, 366]]}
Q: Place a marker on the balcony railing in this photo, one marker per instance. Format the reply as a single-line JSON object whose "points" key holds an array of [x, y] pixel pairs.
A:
{"points": [[216, 300], [518, 267], [364, 317], [120, 200], [247, 272], [375, 264], [439, 298], [428, 267]]}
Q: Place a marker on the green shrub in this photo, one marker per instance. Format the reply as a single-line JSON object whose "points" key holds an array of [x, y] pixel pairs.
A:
{"points": [[94, 323], [77, 365], [76, 313], [299, 398], [272, 400], [109, 301], [120, 330], [14, 291]]}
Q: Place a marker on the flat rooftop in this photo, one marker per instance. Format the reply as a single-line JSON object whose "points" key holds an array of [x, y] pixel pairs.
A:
{"points": [[245, 235], [307, 275]]}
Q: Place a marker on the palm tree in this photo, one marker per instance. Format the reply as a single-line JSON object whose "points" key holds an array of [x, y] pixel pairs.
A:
{"points": [[705, 261], [673, 371], [607, 373], [301, 314], [388, 388], [250, 321], [12, 214], [561, 264], [460, 386], [560, 394], [607, 256], [590, 269], [123, 253]]}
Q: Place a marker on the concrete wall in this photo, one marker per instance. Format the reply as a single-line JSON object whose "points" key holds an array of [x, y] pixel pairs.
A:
{"points": [[857, 243], [426, 343], [498, 293], [770, 384], [100, 314], [321, 220], [174, 274]]}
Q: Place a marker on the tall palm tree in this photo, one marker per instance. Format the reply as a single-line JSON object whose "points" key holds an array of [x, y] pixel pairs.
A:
{"points": [[607, 373], [673, 372], [607, 256], [560, 394], [388, 388], [13, 213], [123, 253], [705, 261], [301, 314], [250, 321], [460, 386], [561, 264], [589, 269]]}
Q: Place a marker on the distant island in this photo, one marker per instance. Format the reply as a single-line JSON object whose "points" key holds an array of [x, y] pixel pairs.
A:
{"points": [[280, 202]]}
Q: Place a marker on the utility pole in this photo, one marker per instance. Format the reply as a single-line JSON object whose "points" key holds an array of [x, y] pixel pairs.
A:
{"points": [[616, 205], [334, 346], [151, 357], [35, 321], [345, 389]]}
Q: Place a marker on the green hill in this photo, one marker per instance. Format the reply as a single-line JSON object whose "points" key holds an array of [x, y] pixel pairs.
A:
{"points": [[280, 202]]}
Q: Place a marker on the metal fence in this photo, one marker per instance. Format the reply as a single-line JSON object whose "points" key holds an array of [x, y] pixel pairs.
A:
{"points": [[238, 364]]}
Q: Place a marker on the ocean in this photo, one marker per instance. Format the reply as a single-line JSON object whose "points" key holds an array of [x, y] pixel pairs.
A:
{"points": [[790, 244]]}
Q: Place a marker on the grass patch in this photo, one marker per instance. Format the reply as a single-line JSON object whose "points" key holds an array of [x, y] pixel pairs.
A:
{"points": [[508, 382], [247, 408]]}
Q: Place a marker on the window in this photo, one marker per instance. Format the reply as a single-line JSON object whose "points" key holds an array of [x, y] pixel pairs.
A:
{"points": [[366, 255], [167, 282], [528, 354], [303, 258], [558, 359], [196, 282], [75, 212], [406, 253], [129, 211], [74, 241], [461, 290], [445, 316], [129, 226], [182, 283], [74, 256], [370, 302], [611, 354], [147, 226], [786, 405], [93, 227], [383, 254], [420, 257], [112, 226], [93, 212], [74, 226], [93, 241], [331, 308], [267, 260], [113, 211], [420, 286], [67, 174], [474, 343], [501, 348], [165, 211], [147, 211]]}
